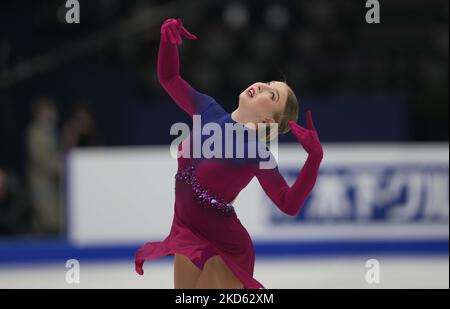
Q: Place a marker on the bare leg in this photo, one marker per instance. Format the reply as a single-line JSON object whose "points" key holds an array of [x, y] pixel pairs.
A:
{"points": [[186, 274], [217, 275]]}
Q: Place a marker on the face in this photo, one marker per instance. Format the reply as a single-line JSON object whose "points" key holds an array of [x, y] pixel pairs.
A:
{"points": [[264, 100], [84, 120], [48, 115]]}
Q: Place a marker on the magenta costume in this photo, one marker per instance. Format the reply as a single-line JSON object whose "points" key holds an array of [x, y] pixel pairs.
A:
{"points": [[205, 223]]}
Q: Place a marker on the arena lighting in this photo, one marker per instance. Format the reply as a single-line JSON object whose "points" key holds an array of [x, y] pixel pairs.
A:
{"points": [[276, 16], [235, 15]]}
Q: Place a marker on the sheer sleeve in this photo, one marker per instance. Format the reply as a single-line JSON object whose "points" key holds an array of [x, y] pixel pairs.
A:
{"points": [[288, 199], [186, 97]]}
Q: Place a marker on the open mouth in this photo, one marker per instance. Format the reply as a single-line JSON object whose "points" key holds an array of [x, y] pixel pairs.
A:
{"points": [[251, 92]]}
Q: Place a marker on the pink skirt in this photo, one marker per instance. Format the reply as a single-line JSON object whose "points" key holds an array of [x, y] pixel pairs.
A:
{"points": [[200, 233]]}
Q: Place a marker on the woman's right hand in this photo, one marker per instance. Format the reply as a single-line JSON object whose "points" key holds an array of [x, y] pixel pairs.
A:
{"points": [[172, 29]]}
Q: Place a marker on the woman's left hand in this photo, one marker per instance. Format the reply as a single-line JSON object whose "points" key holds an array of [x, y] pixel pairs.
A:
{"points": [[308, 137]]}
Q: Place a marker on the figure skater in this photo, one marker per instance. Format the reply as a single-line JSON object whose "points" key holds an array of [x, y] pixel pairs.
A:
{"points": [[211, 247]]}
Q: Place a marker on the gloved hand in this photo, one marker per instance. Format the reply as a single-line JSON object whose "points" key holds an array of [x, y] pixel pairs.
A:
{"points": [[308, 137], [172, 29]]}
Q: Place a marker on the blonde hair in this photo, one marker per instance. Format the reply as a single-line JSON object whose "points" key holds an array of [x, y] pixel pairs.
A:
{"points": [[290, 113]]}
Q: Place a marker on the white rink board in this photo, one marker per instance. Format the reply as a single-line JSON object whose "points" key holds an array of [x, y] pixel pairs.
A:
{"points": [[119, 196]]}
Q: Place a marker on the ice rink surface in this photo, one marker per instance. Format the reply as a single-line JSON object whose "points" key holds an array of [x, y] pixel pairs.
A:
{"points": [[284, 272]]}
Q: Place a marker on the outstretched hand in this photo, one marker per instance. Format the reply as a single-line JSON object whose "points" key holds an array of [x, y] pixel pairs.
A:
{"points": [[172, 29], [308, 136]]}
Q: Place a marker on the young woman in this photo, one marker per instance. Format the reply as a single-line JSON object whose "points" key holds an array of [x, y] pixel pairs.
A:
{"points": [[212, 248]]}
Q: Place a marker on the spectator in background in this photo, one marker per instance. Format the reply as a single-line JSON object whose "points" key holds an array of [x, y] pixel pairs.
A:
{"points": [[9, 133], [13, 205], [80, 130], [44, 167]]}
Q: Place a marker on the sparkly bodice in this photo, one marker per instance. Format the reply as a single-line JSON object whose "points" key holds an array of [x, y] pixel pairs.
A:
{"points": [[204, 198]]}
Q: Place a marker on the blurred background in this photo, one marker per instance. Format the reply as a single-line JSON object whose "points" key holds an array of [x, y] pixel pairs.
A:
{"points": [[85, 170]]}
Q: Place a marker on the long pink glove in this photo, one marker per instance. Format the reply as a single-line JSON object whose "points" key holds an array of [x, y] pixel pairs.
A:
{"points": [[290, 200], [189, 99], [308, 137], [172, 29]]}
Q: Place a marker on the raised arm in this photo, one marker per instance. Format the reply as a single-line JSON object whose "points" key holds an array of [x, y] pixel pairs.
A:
{"points": [[189, 99], [290, 200]]}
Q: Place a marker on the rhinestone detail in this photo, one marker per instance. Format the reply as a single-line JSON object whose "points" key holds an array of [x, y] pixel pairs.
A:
{"points": [[205, 199]]}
